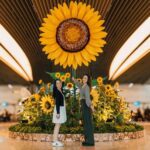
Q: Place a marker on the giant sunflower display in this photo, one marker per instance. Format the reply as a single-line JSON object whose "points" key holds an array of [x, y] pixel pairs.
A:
{"points": [[73, 34], [47, 104], [94, 97]]}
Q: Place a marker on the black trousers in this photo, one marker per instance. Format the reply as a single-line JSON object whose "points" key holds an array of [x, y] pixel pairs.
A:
{"points": [[87, 123]]}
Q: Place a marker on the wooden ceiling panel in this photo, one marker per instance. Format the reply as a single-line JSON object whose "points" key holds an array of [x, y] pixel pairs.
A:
{"points": [[22, 19]]}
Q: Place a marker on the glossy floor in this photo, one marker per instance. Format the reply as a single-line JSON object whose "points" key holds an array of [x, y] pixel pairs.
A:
{"points": [[10, 144]]}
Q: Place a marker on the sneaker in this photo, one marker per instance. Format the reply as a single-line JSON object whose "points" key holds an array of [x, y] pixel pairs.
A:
{"points": [[57, 144]]}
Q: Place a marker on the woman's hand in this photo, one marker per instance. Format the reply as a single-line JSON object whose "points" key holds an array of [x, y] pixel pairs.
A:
{"points": [[58, 116]]}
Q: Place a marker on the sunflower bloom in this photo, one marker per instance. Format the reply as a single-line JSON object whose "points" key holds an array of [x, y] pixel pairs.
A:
{"points": [[47, 104], [94, 97], [72, 34], [63, 78], [69, 85], [67, 75], [57, 75]]}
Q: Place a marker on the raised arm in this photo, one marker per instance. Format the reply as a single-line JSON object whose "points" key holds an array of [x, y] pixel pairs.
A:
{"points": [[77, 82]]}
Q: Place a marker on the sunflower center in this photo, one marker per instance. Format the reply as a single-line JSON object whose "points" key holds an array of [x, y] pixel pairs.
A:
{"points": [[47, 105], [72, 35]]}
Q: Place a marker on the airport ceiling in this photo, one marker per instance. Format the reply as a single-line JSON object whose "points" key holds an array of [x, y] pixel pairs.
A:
{"points": [[22, 19]]}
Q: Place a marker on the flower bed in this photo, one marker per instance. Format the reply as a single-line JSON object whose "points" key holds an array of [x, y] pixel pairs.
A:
{"points": [[99, 137], [105, 132]]}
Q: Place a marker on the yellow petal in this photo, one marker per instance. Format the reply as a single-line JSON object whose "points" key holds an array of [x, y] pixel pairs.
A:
{"points": [[65, 65], [96, 30], [50, 48], [70, 59], [97, 43], [88, 8], [82, 11], [90, 51], [46, 41], [88, 15], [55, 54], [85, 55], [85, 62], [48, 34], [94, 19], [49, 26], [63, 58], [78, 58], [57, 61], [53, 20], [99, 35], [74, 65], [43, 29], [58, 14], [79, 5], [97, 24], [65, 10], [73, 9]]}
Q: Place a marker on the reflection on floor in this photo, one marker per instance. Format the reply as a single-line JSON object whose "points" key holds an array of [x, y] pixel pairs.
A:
{"points": [[11, 144]]}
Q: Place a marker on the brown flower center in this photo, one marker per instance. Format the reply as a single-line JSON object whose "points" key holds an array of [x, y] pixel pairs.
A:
{"points": [[72, 35]]}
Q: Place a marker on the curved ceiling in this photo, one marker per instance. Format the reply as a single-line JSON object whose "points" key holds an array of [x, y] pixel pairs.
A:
{"points": [[22, 19]]}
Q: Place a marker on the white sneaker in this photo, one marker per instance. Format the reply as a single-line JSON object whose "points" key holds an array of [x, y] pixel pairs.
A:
{"points": [[57, 144]]}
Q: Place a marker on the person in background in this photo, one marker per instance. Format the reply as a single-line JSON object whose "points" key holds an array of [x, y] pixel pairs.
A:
{"points": [[59, 114], [86, 108]]}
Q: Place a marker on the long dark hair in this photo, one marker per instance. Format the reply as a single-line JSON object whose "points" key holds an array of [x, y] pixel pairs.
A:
{"points": [[89, 82], [55, 90]]}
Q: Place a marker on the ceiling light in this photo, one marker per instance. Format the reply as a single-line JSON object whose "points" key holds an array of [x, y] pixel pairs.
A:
{"points": [[16, 51], [130, 46], [140, 52], [8, 60]]}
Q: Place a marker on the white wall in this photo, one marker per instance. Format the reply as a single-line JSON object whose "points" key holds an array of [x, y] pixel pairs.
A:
{"points": [[137, 92], [12, 94]]}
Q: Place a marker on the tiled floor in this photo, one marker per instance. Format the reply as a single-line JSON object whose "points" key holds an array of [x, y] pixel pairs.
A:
{"points": [[11, 144]]}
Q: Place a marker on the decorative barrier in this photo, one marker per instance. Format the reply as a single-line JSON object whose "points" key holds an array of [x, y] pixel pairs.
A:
{"points": [[99, 137]]}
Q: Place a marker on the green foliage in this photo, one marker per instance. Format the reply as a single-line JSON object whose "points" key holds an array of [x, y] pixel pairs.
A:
{"points": [[111, 111], [107, 127]]}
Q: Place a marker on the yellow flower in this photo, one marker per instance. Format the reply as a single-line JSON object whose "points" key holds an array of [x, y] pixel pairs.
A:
{"points": [[40, 81], [48, 85], [69, 85], [108, 87], [72, 35], [36, 96], [95, 97], [63, 78], [107, 92], [57, 75], [100, 80], [67, 75], [47, 104], [79, 80], [42, 89]]}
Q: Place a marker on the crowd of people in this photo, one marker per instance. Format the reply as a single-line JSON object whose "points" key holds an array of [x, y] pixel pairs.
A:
{"points": [[139, 116], [5, 116]]}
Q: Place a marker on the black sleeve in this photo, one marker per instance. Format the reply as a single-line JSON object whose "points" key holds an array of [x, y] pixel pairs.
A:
{"points": [[57, 103]]}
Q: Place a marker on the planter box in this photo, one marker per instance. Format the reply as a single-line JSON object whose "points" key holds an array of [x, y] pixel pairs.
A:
{"points": [[99, 137]]}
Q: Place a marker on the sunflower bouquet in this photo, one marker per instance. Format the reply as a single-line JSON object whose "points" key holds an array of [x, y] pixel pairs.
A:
{"points": [[109, 105], [37, 105]]}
